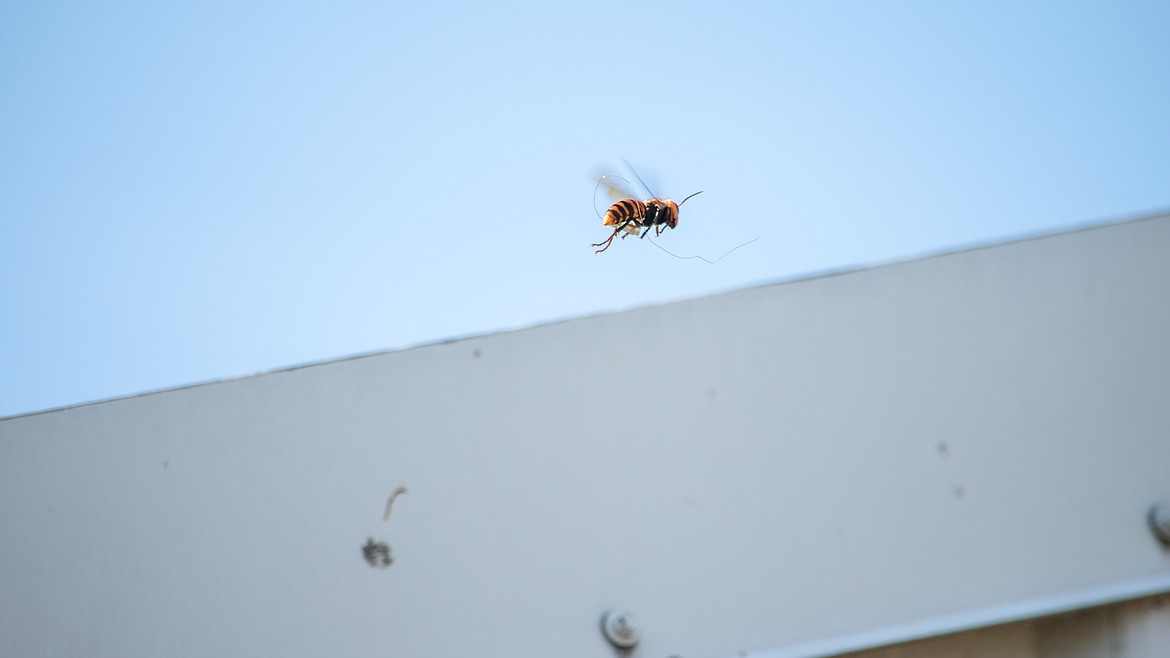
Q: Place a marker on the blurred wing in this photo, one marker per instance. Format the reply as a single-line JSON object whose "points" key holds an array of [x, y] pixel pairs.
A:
{"points": [[639, 179], [610, 190], [617, 188]]}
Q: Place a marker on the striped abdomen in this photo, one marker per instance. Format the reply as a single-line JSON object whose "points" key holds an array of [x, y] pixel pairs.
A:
{"points": [[642, 213]]}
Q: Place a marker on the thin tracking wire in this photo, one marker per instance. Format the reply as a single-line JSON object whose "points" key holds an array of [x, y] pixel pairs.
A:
{"points": [[709, 262]]}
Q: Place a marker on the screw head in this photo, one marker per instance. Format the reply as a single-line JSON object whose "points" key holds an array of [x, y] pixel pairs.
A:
{"points": [[618, 628]]}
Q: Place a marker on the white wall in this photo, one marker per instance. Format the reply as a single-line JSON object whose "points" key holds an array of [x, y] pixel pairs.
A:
{"points": [[796, 469]]}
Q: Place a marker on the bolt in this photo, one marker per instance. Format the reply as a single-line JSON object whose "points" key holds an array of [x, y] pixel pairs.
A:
{"points": [[618, 628], [1159, 518]]}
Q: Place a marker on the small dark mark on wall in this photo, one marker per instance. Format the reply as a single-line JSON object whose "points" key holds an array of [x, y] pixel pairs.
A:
{"points": [[377, 554], [390, 501]]}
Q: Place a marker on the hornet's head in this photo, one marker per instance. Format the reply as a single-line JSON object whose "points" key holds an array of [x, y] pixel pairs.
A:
{"points": [[671, 213]]}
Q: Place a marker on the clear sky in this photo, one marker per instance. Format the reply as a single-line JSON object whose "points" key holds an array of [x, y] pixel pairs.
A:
{"points": [[192, 191]]}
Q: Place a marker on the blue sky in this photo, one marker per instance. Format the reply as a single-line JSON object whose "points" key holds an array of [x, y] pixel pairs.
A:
{"points": [[191, 192]]}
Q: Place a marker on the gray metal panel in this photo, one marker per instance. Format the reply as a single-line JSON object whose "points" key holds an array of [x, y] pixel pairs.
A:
{"points": [[755, 471]]}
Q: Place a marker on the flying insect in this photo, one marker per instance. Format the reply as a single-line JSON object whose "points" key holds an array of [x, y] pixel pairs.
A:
{"points": [[631, 215]]}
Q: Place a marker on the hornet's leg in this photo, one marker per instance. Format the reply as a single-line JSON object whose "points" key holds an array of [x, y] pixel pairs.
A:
{"points": [[605, 245], [654, 219], [657, 230]]}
